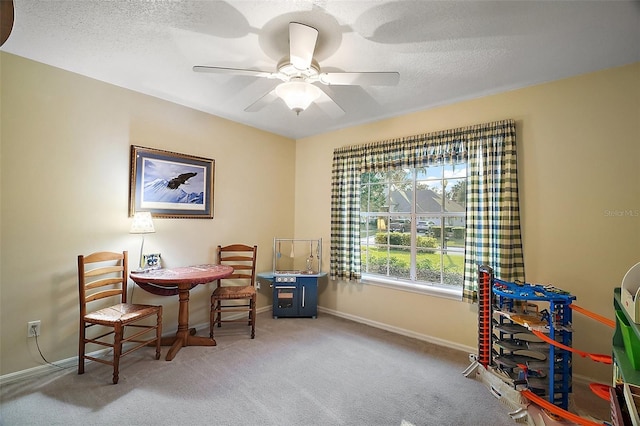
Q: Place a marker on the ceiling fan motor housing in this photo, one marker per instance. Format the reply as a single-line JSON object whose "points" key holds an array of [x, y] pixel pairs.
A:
{"points": [[288, 71]]}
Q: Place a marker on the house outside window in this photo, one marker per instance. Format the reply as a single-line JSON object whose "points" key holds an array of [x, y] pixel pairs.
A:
{"points": [[412, 227]]}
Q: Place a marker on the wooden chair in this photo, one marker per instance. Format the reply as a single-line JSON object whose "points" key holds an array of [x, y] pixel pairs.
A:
{"points": [[108, 279], [238, 286]]}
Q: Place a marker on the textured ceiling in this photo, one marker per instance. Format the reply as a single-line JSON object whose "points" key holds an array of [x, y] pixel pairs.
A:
{"points": [[445, 51]]}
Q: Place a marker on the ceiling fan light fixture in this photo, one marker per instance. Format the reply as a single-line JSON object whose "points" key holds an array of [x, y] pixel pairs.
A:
{"points": [[298, 95]]}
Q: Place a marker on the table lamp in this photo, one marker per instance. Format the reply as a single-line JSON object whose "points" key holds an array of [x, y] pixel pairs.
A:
{"points": [[142, 224]]}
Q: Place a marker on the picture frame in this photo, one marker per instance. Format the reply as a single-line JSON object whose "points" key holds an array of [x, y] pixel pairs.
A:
{"points": [[152, 261], [170, 184]]}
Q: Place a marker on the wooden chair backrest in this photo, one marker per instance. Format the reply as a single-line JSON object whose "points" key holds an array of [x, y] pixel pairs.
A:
{"points": [[243, 260], [111, 273]]}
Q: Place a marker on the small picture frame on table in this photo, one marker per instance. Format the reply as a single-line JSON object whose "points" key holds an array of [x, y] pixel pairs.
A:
{"points": [[151, 261]]}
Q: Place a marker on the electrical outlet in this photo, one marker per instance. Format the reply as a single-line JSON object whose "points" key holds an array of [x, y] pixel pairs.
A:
{"points": [[257, 285], [33, 328]]}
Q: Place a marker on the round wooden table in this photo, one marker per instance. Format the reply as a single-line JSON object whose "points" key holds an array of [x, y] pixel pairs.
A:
{"points": [[181, 280]]}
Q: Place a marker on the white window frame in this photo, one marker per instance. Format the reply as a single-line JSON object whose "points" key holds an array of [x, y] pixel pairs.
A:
{"points": [[413, 285]]}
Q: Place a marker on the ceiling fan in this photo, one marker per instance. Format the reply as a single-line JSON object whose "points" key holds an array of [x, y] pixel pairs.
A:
{"points": [[6, 20], [300, 71]]}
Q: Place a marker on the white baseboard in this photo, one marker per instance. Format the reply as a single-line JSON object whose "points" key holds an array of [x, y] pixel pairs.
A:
{"points": [[44, 369], [401, 331]]}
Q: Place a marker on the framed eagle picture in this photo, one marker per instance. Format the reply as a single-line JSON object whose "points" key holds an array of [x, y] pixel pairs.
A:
{"points": [[169, 184]]}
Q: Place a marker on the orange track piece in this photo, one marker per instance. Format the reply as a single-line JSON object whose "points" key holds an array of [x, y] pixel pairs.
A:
{"points": [[593, 315], [606, 359], [601, 390], [557, 410]]}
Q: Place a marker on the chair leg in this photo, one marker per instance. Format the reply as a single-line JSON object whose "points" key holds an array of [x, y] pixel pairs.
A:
{"points": [[219, 312], [81, 348], [159, 333], [216, 315], [117, 351], [212, 316], [252, 315]]}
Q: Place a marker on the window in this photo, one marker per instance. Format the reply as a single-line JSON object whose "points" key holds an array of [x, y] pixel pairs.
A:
{"points": [[423, 164], [412, 226]]}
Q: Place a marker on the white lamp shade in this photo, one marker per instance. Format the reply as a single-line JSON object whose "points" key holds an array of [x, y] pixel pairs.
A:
{"points": [[142, 223], [298, 95]]}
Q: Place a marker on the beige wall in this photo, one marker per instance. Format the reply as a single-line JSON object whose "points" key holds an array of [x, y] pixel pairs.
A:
{"points": [[578, 157], [65, 176], [65, 182]]}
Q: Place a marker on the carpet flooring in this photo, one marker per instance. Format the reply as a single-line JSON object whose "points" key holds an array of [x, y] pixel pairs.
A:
{"points": [[297, 371]]}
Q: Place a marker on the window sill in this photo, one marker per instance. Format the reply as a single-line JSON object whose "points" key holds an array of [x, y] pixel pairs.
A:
{"points": [[453, 293]]}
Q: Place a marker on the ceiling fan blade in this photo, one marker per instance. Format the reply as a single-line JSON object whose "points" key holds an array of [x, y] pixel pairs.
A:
{"points": [[329, 106], [360, 78], [232, 71], [302, 43], [262, 101], [6, 20]]}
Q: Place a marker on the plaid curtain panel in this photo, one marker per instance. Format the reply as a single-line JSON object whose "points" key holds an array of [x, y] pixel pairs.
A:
{"points": [[345, 214], [492, 216], [493, 213]]}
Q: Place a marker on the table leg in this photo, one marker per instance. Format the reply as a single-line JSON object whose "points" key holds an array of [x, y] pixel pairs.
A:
{"points": [[175, 347], [184, 336]]}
